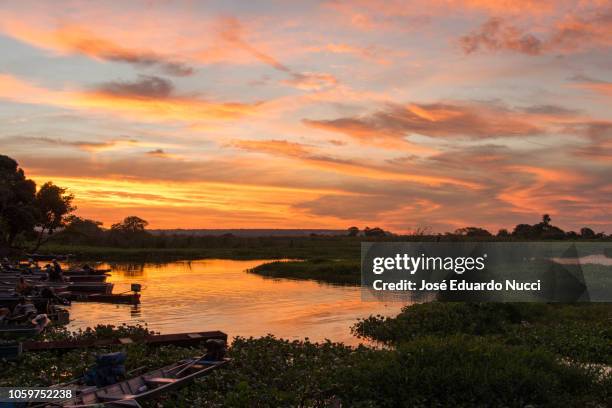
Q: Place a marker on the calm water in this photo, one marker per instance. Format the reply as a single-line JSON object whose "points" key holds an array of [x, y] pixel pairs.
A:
{"points": [[218, 294]]}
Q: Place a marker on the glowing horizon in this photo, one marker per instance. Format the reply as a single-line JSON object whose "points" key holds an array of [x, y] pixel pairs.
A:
{"points": [[325, 114]]}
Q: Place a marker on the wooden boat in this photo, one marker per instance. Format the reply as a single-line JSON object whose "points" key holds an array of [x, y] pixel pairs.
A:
{"points": [[29, 329], [176, 339], [42, 276], [120, 298], [101, 287], [132, 392], [10, 287], [81, 271], [70, 272], [87, 278], [13, 331], [10, 299], [48, 257]]}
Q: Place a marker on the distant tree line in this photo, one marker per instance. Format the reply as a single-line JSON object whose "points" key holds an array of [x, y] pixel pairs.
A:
{"points": [[542, 230]]}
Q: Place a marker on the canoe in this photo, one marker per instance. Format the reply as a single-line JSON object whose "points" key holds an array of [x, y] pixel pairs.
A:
{"points": [[20, 330], [175, 339], [48, 257], [12, 331], [69, 272], [10, 287], [121, 298], [101, 287], [87, 278], [43, 276], [86, 272], [132, 392], [10, 300]]}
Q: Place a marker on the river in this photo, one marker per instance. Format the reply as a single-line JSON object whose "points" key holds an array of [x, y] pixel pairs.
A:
{"points": [[219, 294]]}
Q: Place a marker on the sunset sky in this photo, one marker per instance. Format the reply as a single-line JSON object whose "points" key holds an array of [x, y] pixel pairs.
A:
{"points": [[314, 114]]}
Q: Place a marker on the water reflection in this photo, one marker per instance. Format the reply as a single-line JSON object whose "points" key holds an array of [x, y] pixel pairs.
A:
{"points": [[219, 294], [128, 269]]}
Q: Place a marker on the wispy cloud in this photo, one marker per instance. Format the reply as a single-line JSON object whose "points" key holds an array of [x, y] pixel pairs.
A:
{"points": [[74, 39], [444, 119], [126, 100], [573, 33], [143, 87], [232, 31], [86, 145], [595, 85]]}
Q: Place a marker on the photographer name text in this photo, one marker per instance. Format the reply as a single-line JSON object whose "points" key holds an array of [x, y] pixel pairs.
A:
{"points": [[456, 285]]}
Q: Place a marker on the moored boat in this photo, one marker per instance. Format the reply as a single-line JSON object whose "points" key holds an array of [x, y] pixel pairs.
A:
{"points": [[27, 329], [175, 339], [130, 393], [123, 298]]}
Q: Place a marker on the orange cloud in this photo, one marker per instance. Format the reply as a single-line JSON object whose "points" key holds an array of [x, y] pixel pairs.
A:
{"points": [[73, 39], [546, 191], [172, 108], [594, 85], [436, 120], [574, 33], [347, 167]]}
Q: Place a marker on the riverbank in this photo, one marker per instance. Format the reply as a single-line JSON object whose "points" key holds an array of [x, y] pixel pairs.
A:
{"points": [[442, 355], [336, 271]]}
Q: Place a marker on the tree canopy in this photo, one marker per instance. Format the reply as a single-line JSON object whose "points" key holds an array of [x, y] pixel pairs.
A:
{"points": [[23, 210], [18, 211]]}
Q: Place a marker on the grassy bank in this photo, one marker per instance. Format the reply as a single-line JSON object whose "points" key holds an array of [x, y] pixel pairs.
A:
{"points": [[430, 366], [340, 271]]}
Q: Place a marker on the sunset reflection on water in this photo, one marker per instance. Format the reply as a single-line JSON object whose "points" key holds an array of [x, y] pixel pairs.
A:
{"points": [[218, 294]]}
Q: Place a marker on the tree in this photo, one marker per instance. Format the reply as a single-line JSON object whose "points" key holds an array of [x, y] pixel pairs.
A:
{"points": [[523, 231], [53, 205], [130, 225], [542, 230], [82, 227], [571, 235], [18, 211], [374, 232], [503, 233], [353, 231], [587, 233]]}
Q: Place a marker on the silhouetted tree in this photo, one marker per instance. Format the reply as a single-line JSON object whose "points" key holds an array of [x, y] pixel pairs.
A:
{"points": [[374, 232], [82, 228], [542, 230], [18, 212], [53, 205], [587, 233], [130, 225], [571, 235], [353, 231], [503, 233]]}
